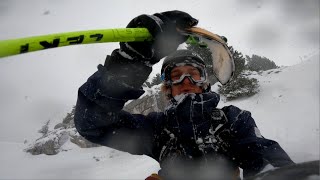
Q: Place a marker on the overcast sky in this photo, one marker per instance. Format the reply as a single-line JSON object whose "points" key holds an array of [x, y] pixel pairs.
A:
{"points": [[286, 31]]}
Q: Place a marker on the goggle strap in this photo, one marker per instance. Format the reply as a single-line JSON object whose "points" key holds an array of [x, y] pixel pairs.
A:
{"points": [[163, 76]]}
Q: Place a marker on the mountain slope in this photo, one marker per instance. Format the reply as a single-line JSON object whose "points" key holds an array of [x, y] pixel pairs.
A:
{"points": [[287, 108]]}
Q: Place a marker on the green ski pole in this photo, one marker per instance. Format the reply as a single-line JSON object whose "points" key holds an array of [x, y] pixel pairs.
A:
{"points": [[35, 43]]}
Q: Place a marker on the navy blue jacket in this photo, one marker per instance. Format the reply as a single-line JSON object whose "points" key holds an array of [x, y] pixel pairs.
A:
{"points": [[191, 133]]}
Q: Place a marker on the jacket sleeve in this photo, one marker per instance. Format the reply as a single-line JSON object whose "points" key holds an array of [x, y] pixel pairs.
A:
{"points": [[247, 146], [100, 119]]}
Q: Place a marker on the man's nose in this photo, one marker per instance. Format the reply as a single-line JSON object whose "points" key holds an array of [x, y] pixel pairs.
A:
{"points": [[186, 80]]}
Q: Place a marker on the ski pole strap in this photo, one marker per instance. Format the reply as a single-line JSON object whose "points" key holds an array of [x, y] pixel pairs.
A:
{"points": [[35, 43]]}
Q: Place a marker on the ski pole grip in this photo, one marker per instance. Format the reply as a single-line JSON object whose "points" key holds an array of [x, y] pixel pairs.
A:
{"points": [[35, 43]]}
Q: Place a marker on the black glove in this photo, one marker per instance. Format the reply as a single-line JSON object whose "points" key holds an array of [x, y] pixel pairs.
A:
{"points": [[163, 27], [126, 69]]}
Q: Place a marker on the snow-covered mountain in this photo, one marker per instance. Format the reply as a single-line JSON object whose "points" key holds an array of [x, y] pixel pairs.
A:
{"points": [[286, 110]]}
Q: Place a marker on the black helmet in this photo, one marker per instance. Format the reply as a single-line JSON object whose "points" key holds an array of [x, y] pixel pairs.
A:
{"points": [[179, 56], [184, 57]]}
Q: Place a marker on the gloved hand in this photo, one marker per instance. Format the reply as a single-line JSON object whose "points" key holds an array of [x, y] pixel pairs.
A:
{"points": [[122, 78], [127, 69], [163, 27]]}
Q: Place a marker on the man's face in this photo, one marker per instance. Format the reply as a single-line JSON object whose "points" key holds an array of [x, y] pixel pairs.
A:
{"points": [[186, 86]]}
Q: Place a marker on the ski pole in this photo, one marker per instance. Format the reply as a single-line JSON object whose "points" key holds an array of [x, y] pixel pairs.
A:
{"points": [[35, 43]]}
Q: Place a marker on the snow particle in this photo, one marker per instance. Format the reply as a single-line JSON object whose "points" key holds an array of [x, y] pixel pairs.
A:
{"points": [[199, 141]]}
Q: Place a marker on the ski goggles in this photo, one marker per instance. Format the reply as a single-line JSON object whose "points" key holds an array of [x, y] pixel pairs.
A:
{"points": [[196, 75], [222, 61]]}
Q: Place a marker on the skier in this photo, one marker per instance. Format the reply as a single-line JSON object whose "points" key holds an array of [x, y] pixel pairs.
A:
{"points": [[192, 138]]}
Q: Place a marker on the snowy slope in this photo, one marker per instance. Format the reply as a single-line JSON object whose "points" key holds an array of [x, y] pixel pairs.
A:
{"points": [[74, 163], [286, 110]]}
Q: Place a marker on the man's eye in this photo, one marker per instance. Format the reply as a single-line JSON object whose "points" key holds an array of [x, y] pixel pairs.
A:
{"points": [[195, 73], [175, 76]]}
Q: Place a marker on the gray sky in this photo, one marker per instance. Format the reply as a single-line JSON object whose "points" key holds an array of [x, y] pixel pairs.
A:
{"points": [[286, 23]]}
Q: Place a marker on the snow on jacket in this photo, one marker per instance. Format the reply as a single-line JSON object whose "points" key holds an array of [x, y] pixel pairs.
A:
{"points": [[190, 135]]}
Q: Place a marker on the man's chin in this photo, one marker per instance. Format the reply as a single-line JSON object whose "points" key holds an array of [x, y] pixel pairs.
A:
{"points": [[183, 95]]}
